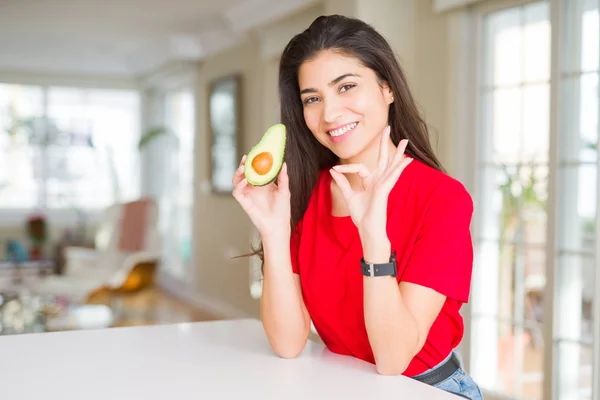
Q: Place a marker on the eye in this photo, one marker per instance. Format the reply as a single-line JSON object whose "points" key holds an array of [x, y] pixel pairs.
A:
{"points": [[309, 100], [346, 87]]}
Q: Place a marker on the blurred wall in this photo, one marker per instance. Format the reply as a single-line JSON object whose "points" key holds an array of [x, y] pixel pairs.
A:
{"points": [[223, 229]]}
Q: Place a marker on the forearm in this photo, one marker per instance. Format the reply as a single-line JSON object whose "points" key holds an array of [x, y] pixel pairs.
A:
{"points": [[392, 330], [283, 312]]}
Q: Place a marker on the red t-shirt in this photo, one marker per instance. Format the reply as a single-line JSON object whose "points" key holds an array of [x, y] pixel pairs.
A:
{"points": [[429, 215]]}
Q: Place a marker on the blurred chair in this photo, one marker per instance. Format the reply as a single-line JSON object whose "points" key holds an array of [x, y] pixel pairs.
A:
{"points": [[124, 259]]}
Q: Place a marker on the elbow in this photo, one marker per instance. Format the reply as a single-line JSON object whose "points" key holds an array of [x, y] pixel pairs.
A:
{"points": [[286, 341], [288, 346], [394, 361], [289, 351], [392, 367]]}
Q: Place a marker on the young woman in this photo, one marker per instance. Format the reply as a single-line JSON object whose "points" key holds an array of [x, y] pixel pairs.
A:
{"points": [[363, 233]]}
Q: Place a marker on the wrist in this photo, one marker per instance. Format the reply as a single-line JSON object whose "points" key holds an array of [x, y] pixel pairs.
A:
{"points": [[276, 241], [276, 252], [276, 235], [377, 250]]}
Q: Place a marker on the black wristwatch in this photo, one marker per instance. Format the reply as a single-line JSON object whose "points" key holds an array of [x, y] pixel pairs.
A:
{"points": [[386, 269]]}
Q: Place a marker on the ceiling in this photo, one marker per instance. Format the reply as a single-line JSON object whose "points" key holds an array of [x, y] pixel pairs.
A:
{"points": [[124, 38]]}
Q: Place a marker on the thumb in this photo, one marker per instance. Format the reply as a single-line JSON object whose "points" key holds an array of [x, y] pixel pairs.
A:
{"points": [[283, 180]]}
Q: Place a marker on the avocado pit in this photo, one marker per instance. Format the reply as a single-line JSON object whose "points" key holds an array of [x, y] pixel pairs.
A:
{"points": [[262, 163]]}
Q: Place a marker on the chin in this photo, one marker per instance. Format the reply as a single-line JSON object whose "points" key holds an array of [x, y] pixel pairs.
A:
{"points": [[345, 152]]}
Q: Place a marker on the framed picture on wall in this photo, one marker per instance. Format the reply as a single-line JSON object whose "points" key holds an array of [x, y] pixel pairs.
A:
{"points": [[224, 130]]}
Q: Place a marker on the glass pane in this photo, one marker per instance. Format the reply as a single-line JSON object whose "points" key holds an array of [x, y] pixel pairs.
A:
{"points": [[487, 271], [523, 189], [515, 124], [536, 37], [506, 279], [507, 359], [20, 160], [575, 371], [224, 133], [580, 51], [534, 195], [506, 111], [530, 284], [577, 205], [579, 131], [511, 285], [503, 48], [536, 120], [92, 157], [494, 194], [590, 35], [576, 276], [486, 127], [588, 116], [176, 201]]}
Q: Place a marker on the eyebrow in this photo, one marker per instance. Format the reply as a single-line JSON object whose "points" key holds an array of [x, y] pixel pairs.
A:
{"points": [[333, 82]]}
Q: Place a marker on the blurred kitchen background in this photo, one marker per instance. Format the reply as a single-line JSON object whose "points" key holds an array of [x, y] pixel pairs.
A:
{"points": [[122, 122]]}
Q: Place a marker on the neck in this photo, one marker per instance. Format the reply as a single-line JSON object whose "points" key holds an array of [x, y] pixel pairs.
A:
{"points": [[369, 157]]}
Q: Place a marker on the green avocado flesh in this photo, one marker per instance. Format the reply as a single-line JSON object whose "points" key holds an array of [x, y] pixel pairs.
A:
{"points": [[264, 161]]}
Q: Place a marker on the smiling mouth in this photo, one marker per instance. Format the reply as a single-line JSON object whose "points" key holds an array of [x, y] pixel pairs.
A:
{"points": [[343, 129]]}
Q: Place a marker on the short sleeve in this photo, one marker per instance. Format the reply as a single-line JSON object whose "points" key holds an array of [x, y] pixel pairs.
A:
{"points": [[442, 257], [295, 247]]}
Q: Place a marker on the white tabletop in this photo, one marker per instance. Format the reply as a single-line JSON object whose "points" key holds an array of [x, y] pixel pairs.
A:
{"points": [[205, 360]]}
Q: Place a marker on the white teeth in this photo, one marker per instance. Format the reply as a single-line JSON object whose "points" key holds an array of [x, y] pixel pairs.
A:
{"points": [[341, 131]]}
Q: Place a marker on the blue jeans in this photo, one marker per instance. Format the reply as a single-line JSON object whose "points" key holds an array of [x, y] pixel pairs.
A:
{"points": [[459, 383]]}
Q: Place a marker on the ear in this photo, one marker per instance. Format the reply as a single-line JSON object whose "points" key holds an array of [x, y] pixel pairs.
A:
{"points": [[387, 93]]}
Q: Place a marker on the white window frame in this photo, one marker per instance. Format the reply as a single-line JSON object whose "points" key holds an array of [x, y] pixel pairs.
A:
{"points": [[465, 27]]}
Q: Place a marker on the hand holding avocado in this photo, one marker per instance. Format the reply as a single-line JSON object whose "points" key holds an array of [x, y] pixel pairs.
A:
{"points": [[266, 203]]}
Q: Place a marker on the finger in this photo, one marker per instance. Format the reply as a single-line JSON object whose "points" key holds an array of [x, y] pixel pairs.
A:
{"points": [[238, 190], [342, 183], [239, 172], [238, 176], [244, 198], [283, 180], [392, 178], [400, 153], [241, 196], [384, 150], [359, 169]]}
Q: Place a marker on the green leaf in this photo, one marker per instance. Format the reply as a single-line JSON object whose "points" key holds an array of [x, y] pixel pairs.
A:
{"points": [[150, 135]]}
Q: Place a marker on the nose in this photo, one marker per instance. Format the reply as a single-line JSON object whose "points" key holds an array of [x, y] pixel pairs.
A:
{"points": [[332, 110]]}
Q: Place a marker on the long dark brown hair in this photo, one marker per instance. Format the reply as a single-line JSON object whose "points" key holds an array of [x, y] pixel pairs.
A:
{"points": [[304, 155]]}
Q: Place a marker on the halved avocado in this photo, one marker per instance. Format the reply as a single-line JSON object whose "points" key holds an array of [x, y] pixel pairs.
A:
{"points": [[265, 160]]}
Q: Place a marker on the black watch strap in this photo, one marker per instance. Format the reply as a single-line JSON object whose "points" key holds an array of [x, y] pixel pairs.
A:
{"points": [[385, 269]]}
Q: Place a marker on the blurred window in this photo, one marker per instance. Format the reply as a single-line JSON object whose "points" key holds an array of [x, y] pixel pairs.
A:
{"points": [[508, 351], [65, 148]]}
